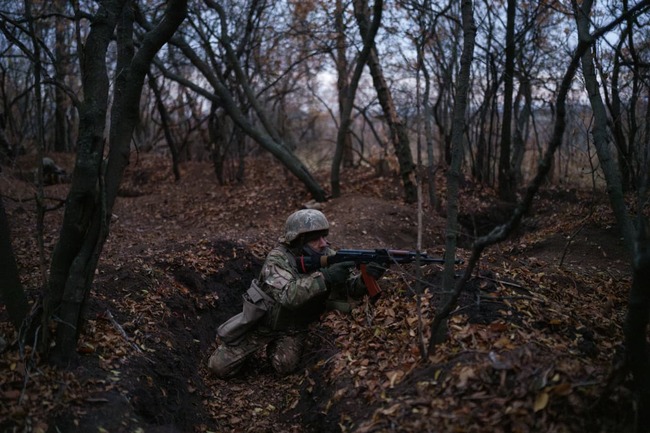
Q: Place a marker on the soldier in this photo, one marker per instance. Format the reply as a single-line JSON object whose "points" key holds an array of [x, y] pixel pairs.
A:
{"points": [[280, 305]]}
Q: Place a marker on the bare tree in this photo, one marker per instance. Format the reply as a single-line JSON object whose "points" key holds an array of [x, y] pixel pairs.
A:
{"points": [[266, 135], [600, 132], [457, 134], [623, 74], [396, 125], [346, 109], [61, 66], [639, 301], [423, 34], [506, 178], [498, 234], [635, 239], [93, 191], [342, 78], [166, 125], [513, 81]]}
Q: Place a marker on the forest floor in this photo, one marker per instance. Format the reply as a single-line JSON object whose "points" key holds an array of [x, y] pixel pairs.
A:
{"points": [[532, 345]]}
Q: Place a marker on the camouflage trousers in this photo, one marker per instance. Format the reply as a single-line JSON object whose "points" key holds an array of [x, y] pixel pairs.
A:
{"points": [[283, 351]]}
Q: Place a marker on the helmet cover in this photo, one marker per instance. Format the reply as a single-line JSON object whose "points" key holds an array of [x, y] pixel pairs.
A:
{"points": [[304, 221]]}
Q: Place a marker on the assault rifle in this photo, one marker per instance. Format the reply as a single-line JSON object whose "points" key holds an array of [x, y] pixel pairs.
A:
{"points": [[361, 258]]}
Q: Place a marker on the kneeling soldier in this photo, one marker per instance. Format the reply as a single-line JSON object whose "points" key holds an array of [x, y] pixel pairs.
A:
{"points": [[280, 305]]}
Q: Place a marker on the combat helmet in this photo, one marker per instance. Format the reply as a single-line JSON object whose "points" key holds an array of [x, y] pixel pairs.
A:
{"points": [[304, 221]]}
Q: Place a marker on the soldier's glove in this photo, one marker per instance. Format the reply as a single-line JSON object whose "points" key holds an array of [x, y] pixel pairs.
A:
{"points": [[338, 273], [375, 270]]}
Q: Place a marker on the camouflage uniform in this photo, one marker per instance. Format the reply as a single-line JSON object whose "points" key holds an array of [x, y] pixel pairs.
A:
{"points": [[300, 299]]}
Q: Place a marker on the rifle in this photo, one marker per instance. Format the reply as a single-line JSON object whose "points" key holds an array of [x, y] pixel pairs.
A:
{"points": [[381, 256]]}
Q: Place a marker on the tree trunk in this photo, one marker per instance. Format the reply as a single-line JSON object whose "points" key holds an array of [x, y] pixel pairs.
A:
{"points": [[218, 142], [625, 136], [6, 149], [11, 290], [60, 67], [346, 114], [522, 121], [482, 169], [506, 179], [91, 196], [428, 134], [165, 123], [600, 136], [457, 140], [636, 324], [396, 125], [342, 79]]}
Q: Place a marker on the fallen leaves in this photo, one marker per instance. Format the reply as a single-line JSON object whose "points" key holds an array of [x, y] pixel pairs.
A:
{"points": [[527, 369], [26, 393], [530, 345]]}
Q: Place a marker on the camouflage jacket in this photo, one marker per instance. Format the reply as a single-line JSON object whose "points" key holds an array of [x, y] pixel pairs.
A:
{"points": [[300, 298]]}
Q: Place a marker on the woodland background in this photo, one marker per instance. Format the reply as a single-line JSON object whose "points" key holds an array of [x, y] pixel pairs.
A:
{"points": [[147, 147]]}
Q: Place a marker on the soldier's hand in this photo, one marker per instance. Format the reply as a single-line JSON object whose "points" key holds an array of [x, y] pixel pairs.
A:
{"points": [[337, 273], [375, 270]]}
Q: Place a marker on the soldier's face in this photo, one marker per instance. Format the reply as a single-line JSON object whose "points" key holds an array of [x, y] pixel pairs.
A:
{"points": [[318, 245]]}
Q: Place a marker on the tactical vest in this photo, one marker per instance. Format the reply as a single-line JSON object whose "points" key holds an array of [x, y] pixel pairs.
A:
{"points": [[281, 318]]}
